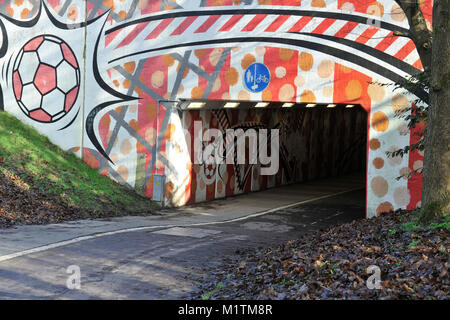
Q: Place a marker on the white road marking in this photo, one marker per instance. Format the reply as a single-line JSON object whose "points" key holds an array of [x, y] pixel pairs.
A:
{"points": [[104, 234], [188, 232]]}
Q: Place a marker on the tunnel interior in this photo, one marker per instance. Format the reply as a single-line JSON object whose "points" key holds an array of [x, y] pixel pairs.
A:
{"points": [[325, 143], [321, 141], [316, 141]]}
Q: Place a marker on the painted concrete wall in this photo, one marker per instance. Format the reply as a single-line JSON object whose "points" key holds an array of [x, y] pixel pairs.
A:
{"points": [[99, 77]]}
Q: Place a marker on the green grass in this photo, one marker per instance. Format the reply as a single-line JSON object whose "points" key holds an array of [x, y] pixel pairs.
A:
{"points": [[444, 223], [208, 295], [416, 222], [413, 243], [44, 168]]}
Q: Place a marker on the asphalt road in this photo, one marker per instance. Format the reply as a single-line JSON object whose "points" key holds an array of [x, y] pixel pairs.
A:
{"points": [[166, 262]]}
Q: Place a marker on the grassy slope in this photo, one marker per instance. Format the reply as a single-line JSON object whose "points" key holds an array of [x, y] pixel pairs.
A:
{"points": [[44, 169]]}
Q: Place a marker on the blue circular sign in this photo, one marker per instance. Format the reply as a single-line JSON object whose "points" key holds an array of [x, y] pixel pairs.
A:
{"points": [[256, 77]]}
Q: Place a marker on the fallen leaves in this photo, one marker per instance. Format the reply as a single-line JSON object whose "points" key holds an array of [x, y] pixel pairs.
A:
{"points": [[332, 264], [21, 203]]}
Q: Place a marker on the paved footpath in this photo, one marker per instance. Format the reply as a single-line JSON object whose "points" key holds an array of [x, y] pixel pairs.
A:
{"points": [[167, 255]]}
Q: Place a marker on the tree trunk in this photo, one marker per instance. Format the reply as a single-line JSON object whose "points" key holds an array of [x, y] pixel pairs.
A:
{"points": [[418, 30], [436, 173]]}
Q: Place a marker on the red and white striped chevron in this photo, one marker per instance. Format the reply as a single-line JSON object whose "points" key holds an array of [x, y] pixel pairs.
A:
{"points": [[148, 35]]}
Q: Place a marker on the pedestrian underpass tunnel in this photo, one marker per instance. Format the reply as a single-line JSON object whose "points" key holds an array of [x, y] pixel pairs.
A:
{"points": [[239, 147], [245, 65]]}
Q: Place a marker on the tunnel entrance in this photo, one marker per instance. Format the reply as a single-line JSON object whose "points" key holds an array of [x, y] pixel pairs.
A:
{"points": [[316, 142]]}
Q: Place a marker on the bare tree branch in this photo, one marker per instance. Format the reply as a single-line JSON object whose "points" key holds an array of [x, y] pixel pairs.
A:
{"points": [[402, 34]]}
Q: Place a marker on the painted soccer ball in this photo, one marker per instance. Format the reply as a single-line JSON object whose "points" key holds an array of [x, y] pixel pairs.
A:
{"points": [[46, 78]]}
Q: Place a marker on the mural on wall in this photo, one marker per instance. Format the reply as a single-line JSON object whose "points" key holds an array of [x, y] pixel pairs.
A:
{"points": [[46, 85], [101, 78], [43, 76]]}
